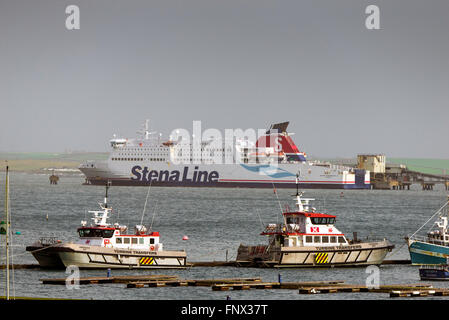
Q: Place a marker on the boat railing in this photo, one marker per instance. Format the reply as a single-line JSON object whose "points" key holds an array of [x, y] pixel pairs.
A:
{"points": [[443, 267], [279, 228], [430, 240], [48, 241], [369, 239]]}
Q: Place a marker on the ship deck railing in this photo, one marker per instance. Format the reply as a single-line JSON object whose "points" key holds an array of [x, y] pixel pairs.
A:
{"points": [[47, 241], [430, 240], [433, 266]]}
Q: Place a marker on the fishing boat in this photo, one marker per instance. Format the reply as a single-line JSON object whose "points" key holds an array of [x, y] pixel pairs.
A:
{"points": [[433, 248], [105, 245], [307, 238]]}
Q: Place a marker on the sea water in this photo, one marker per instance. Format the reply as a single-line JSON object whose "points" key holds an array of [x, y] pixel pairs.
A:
{"points": [[216, 221]]}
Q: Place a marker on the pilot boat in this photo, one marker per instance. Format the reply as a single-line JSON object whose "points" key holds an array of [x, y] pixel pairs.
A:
{"points": [[307, 238], [104, 245]]}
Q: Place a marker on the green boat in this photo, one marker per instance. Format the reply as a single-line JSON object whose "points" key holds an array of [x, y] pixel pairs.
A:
{"points": [[433, 248]]}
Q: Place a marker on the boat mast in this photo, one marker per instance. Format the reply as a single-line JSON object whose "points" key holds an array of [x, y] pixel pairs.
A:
{"points": [[298, 196], [7, 231], [108, 183]]}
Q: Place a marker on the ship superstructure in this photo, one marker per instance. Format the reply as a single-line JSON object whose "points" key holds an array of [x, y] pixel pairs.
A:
{"points": [[272, 159]]}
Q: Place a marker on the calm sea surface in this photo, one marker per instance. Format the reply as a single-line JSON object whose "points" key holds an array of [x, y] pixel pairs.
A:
{"points": [[216, 221]]}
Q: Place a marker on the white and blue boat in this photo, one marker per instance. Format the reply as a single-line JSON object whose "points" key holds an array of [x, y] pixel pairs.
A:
{"points": [[433, 248]]}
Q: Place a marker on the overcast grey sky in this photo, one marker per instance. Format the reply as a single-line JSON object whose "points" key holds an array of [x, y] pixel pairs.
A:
{"points": [[231, 64]]}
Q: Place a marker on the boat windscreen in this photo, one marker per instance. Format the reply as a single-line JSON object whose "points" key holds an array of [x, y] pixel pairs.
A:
{"points": [[323, 220], [95, 233]]}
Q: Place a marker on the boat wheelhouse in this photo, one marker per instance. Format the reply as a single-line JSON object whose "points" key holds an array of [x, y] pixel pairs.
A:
{"points": [[307, 238]]}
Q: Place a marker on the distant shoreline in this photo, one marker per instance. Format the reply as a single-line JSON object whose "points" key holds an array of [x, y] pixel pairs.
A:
{"points": [[68, 163], [41, 162]]}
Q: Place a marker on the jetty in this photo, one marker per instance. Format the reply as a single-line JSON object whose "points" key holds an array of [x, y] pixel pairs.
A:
{"points": [[226, 284], [205, 264], [391, 176]]}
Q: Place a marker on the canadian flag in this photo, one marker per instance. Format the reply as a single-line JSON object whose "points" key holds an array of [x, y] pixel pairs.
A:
{"points": [[314, 229]]}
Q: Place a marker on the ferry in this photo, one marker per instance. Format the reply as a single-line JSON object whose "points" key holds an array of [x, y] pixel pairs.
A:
{"points": [[433, 248], [307, 238], [273, 159], [104, 245]]}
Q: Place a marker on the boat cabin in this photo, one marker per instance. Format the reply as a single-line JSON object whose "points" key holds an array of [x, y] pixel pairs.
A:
{"points": [[305, 227], [101, 233], [440, 236], [113, 237]]}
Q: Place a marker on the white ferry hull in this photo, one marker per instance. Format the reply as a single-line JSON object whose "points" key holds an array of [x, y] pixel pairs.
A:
{"points": [[92, 257], [362, 254], [281, 175]]}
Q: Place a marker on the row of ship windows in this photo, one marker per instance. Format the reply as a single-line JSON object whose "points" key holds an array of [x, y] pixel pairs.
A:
{"points": [[125, 240], [325, 239], [137, 159]]}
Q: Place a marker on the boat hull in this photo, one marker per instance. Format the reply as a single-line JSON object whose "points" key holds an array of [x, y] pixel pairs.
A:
{"points": [[434, 274], [362, 254], [423, 253], [94, 257], [223, 175], [46, 256]]}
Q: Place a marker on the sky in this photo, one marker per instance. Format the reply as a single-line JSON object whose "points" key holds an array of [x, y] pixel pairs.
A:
{"points": [[345, 89]]}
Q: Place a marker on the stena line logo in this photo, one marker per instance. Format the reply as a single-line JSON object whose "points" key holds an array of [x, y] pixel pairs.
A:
{"points": [[146, 175]]}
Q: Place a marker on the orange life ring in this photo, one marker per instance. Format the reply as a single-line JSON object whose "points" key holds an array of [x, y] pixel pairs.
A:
{"points": [[106, 241], [151, 248]]}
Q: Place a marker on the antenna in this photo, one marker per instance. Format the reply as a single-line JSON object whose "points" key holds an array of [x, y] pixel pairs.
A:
{"points": [[146, 200], [297, 183], [299, 203], [260, 219], [108, 184], [275, 192], [154, 213], [280, 206]]}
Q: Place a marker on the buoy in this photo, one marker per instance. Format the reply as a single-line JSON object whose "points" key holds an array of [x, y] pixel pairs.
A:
{"points": [[18, 232], [185, 238], [47, 216]]}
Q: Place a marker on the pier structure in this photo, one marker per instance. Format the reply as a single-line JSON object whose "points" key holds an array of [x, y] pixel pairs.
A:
{"points": [[225, 284], [397, 176], [53, 178]]}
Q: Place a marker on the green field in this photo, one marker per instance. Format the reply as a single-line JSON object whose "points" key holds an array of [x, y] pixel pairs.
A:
{"points": [[38, 161], [430, 166], [44, 161]]}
